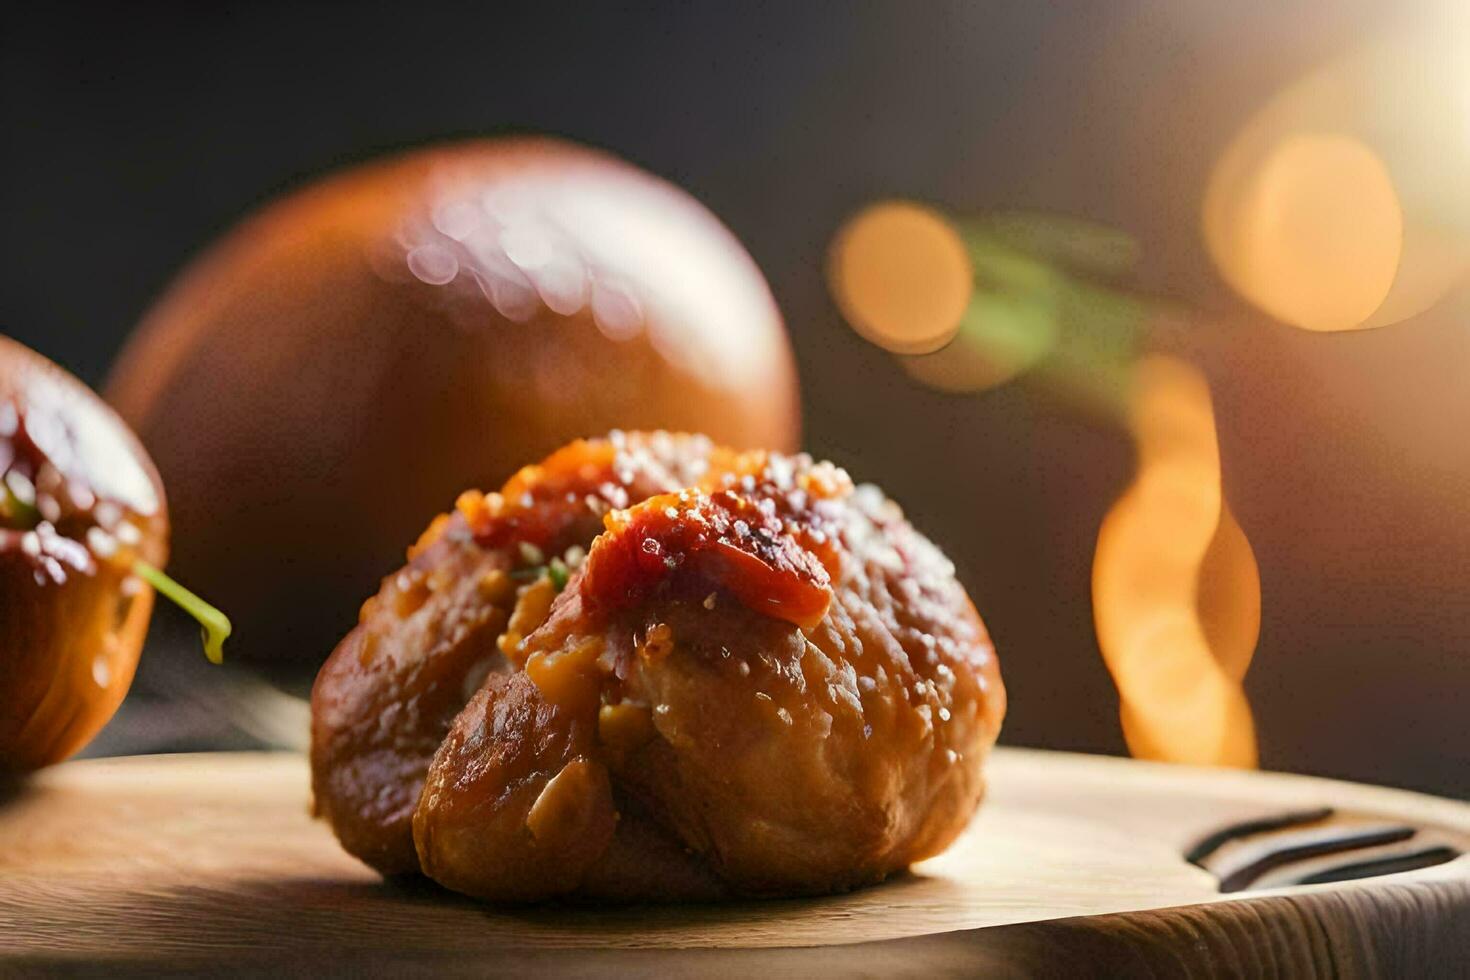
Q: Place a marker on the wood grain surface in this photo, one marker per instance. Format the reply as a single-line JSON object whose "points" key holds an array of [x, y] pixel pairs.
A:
{"points": [[1073, 867]]}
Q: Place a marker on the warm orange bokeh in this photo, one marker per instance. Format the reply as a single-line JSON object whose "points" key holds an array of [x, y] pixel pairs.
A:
{"points": [[1311, 231], [1176, 593], [902, 276], [1339, 204]]}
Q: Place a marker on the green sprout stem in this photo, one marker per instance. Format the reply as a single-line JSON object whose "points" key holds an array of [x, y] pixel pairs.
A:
{"points": [[556, 570], [16, 512], [216, 626]]}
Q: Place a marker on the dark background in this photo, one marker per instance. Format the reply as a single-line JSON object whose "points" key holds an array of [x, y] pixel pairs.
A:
{"points": [[133, 136]]}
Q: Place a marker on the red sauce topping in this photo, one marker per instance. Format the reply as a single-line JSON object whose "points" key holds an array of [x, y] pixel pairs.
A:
{"points": [[769, 541], [541, 504], [760, 526], [562, 500]]}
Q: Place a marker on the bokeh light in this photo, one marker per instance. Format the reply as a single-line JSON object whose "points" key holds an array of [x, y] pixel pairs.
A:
{"points": [[1029, 299], [1312, 234], [902, 276], [1340, 204], [1000, 336], [1176, 590]]}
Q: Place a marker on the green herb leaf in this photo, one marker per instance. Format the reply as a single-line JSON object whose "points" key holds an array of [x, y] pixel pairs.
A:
{"points": [[1072, 244], [556, 570], [16, 512], [216, 626]]}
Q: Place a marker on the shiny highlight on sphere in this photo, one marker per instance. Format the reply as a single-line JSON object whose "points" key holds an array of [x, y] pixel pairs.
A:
{"points": [[352, 357]]}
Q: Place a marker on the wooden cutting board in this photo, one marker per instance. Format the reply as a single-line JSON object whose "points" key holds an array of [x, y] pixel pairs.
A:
{"points": [[1075, 866]]}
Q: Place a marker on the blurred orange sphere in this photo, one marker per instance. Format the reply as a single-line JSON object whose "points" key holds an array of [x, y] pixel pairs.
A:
{"points": [[72, 612], [336, 369], [902, 276]]}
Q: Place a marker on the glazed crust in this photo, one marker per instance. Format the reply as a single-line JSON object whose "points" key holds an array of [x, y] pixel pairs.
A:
{"points": [[766, 683], [383, 702]]}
